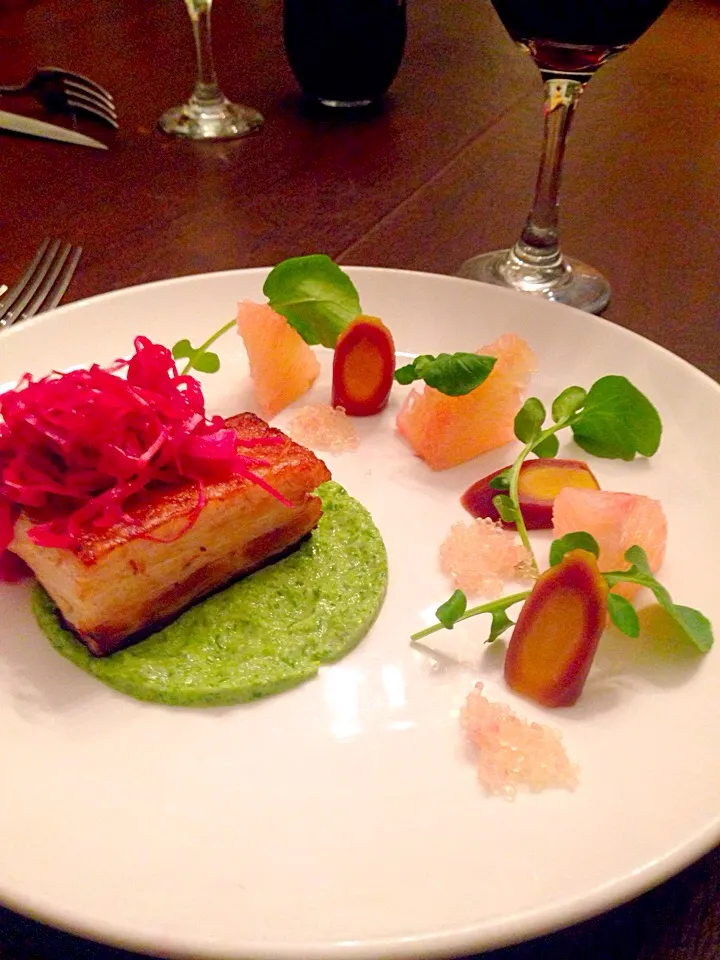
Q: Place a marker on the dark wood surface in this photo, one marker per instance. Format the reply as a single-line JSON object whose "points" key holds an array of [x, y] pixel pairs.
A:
{"points": [[442, 171]]}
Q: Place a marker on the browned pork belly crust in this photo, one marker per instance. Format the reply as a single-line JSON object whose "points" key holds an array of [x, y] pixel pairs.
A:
{"points": [[117, 585]]}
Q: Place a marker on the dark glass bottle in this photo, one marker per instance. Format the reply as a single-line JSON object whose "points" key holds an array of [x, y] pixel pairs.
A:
{"points": [[345, 53]]}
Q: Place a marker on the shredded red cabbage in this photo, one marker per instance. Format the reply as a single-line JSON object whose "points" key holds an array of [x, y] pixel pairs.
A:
{"points": [[74, 447]]}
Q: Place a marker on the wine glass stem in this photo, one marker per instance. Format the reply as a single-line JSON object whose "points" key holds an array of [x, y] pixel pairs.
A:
{"points": [[207, 93], [538, 245]]}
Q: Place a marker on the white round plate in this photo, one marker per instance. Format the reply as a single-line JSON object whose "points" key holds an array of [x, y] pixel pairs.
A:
{"points": [[343, 818]]}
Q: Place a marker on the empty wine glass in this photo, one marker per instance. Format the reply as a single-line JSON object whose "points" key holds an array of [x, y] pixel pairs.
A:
{"points": [[568, 41], [208, 114]]}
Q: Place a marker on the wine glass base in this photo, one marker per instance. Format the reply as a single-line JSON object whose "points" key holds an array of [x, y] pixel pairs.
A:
{"points": [[575, 284], [221, 121]]}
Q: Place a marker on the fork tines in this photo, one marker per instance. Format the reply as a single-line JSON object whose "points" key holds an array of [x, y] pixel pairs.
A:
{"points": [[43, 284], [59, 89], [84, 94]]}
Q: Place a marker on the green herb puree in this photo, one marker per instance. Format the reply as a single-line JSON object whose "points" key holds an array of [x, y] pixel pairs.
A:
{"points": [[263, 634]]}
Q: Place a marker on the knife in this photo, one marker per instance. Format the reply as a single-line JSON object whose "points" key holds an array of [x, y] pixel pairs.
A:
{"points": [[49, 131]]}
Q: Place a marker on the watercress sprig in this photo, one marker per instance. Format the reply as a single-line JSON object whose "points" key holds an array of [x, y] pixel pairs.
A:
{"points": [[455, 610], [612, 419], [314, 295], [693, 624]]}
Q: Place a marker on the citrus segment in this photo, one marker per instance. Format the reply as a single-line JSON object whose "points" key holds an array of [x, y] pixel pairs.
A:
{"points": [[282, 365], [446, 431], [617, 521]]}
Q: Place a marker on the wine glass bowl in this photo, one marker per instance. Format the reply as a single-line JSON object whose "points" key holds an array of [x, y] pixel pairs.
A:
{"points": [[568, 40], [207, 114]]}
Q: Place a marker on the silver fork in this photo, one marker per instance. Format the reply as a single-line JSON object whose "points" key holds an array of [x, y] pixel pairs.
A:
{"points": [[59, 89], [43, 284]]}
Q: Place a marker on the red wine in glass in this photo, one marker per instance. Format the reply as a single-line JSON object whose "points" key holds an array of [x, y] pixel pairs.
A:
{"points": [[568, 40]]}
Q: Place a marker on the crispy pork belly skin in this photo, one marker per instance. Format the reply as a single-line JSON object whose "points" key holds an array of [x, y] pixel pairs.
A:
{"points": [[117, 585]]}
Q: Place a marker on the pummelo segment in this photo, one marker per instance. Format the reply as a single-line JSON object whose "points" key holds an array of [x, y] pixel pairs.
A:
{"points": [[446, 431], [282, 365], [617, 521]]}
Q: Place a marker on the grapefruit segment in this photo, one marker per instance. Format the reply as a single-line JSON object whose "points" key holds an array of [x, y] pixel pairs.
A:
{"points": [[446, 431], [282, 365], [617, 521]]}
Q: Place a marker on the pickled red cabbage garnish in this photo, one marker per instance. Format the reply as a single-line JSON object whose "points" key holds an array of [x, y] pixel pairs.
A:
{"points": [[74, 447]]}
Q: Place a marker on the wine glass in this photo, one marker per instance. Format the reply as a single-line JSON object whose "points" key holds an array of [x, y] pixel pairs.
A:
{"points": [[568, 41], [208, 114]]}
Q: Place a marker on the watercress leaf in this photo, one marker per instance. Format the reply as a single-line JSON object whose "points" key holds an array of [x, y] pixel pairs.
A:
{"points": [[567, 403], [578, 540], [408, 373], [500, 622], [207, 362], [405, 375], [449, 613], [501, 481], [422, 363], [695, 625], [314, 295], [617, 420], [623, 615], [183, 348], [506, 508], [639, 559], [529, 420], [453, 374], [548, 447], [458, 373]]}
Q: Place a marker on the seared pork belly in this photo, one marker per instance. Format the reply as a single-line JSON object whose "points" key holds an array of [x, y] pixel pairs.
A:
{"points": [[118, 584]]}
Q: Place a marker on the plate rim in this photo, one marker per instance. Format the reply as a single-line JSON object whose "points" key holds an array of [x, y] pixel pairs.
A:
{"points": [[596, 319]]}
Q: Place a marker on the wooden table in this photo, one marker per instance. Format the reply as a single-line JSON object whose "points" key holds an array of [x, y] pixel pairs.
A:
{"points": [[445, 170]]}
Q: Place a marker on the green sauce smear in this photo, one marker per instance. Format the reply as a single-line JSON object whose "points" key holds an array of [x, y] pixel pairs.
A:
{"points": [[265, 633]]}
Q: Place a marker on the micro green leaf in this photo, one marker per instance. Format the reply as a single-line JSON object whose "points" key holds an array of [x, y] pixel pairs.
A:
{"points": [[694, 624], [449, 613], [617, 420], [500, 622], [548, 447], [529, 420], [314, 295], [506, 508], [567, 403], [199, 358], [207, 362], [623, 615], [453, 374], [578, 540], [183, 348]]}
